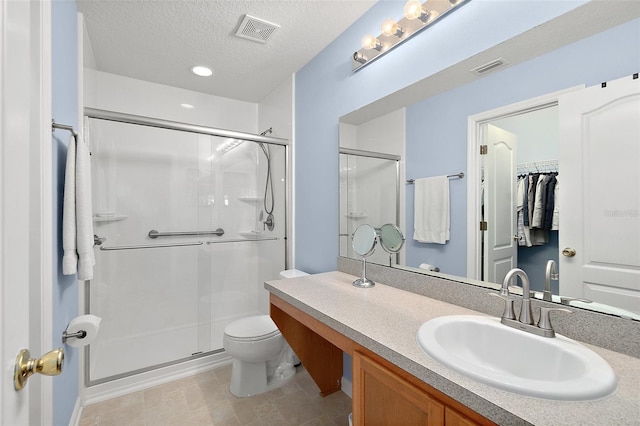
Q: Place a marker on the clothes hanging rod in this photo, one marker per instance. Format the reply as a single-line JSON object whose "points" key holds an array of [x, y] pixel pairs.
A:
{"points": [[55, 126], [457, 175]]}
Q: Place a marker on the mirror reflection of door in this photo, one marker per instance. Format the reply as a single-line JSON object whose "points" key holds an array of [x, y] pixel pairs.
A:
{"points": [[499, 187], [600, 220], [535, 131]]}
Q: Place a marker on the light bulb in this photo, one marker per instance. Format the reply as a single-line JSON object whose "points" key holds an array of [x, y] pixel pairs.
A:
{"points": [[412, 9], [391, 27], [370, 42]]}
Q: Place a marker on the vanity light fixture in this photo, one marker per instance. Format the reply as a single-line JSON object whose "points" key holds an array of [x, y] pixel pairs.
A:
{"points": [[417, 16]]}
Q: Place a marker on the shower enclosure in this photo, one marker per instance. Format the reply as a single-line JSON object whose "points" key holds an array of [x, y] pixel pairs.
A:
{"points": [[191, 222], [369, 193]]}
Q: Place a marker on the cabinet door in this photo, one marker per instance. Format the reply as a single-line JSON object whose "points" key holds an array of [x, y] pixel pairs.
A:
{"points": [[454, 418], [382, 397]]}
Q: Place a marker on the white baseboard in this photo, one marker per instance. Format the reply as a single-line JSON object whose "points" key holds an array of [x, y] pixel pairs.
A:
{"points": [[345, 384], [77, 413]]}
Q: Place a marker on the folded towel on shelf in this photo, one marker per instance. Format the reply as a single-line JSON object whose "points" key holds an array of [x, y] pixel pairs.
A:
{"points": [[431, 210], [77, 220]]}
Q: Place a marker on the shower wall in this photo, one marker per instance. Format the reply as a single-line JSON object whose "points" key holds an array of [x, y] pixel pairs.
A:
{"points": [[169, 298]]}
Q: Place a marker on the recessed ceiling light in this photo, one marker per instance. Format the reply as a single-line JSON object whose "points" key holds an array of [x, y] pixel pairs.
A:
{"points": [[187, 106], [202, 71]]}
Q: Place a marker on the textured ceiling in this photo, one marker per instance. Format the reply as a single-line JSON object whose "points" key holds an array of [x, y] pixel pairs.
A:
{"points": [[159, 40]]}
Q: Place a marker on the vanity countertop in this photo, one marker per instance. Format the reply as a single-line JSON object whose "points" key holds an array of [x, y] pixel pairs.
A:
{"points": [[385, 320]]}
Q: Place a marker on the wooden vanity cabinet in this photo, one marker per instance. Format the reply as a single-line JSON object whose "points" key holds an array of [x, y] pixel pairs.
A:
{"points": [[383, 393], [381, 397]]}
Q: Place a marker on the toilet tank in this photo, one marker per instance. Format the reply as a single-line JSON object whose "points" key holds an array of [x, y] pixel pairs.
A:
{"points": [[292, 273]]}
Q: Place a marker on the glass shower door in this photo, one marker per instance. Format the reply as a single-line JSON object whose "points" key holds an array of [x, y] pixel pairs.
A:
{"points": [[368, 194], [188, 245], [145, 289]]}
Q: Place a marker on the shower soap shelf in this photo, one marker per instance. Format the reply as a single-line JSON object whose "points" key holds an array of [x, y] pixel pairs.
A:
{"points": [[356, 215], [251, 235], [251, 199]]}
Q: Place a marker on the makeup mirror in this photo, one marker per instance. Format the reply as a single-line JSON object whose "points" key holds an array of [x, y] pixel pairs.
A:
{"points": [[391, 239], [364, 243]]}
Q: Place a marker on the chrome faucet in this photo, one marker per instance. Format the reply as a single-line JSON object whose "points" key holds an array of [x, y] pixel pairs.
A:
{"points": [[526, 316], [524, 321], [551, 273]]}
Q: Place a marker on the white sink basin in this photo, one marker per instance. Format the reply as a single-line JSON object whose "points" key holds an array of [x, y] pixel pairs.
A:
{"points": [[485, 350]]}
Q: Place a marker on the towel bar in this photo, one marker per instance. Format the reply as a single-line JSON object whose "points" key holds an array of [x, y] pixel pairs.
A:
{"points": [[457, 175]]}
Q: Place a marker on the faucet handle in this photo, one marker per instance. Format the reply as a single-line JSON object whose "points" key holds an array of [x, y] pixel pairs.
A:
{"points": [[509, 312], [545, 322], [567, 300]]}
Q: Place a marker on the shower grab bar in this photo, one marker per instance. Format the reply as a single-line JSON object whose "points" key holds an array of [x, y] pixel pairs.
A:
{"points": [[155, 234], [242, 240], [146, 246]]}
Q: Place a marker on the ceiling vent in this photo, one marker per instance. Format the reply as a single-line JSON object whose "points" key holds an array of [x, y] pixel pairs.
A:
{"points": [[256, 29], [489, 66]]}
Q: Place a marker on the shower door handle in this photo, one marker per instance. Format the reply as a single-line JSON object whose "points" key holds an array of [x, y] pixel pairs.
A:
{"points": [[155, 234]]}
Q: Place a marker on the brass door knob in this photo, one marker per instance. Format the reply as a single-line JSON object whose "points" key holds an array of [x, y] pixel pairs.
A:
{"points": [[569, 252], [50, 364]]}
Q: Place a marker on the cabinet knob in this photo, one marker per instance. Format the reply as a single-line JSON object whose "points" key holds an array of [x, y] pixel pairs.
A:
{"points": [[568, 252]]}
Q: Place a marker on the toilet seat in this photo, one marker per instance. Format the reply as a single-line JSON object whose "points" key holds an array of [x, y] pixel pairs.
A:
{"points": [[252, 328]]}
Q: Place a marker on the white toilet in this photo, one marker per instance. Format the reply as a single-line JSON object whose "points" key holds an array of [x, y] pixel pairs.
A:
{"points": [[262, 359]]}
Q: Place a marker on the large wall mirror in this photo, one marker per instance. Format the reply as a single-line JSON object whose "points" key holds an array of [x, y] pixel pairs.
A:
{"points": [[518, 114]]}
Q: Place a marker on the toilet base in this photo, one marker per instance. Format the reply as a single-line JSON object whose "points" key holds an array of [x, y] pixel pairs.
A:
{"points": [[250, 378]]}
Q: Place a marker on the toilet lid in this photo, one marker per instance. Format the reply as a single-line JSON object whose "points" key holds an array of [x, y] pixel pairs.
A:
{"points": [[251, 327]]}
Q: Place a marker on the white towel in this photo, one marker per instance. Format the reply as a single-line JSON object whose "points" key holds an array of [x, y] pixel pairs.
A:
{"points": [[431, 210], [77, 220]]}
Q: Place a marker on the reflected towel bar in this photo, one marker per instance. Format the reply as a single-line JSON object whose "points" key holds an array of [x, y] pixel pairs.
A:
{"points": [[155, 234], [457, 175], [197, 243]]}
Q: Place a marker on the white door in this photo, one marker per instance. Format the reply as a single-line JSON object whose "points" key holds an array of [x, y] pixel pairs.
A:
{"points": [[600, 216], [25, 206], [500, 247]]}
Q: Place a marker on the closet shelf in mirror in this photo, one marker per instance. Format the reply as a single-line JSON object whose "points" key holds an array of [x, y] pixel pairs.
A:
{"points": [[354, 215], [108, 217]]}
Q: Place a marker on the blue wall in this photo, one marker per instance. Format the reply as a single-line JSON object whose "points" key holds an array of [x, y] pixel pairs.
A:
{"points": [[65, 111], [443, 148], [326, 89]]}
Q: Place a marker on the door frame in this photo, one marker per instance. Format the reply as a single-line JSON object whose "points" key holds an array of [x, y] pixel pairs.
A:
{"points": [[25, 120], [475, 138]]}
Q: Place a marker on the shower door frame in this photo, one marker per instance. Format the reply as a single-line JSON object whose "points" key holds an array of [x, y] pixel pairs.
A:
{"points": [[190, 128]]}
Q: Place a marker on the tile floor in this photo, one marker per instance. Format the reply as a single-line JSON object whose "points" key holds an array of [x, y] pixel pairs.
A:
{"points": [[205, 400]]}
